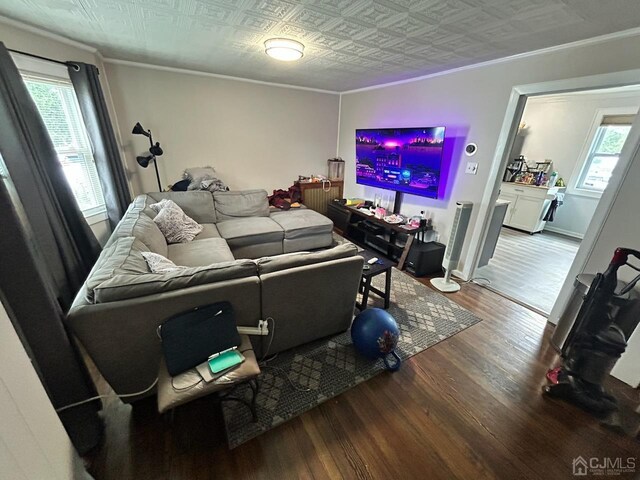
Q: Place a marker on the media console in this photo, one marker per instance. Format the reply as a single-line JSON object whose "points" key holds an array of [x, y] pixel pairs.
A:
{"points": [[391, 241]]}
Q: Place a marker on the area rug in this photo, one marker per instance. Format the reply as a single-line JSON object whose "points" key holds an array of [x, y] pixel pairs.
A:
{"points": [[297, 380]]}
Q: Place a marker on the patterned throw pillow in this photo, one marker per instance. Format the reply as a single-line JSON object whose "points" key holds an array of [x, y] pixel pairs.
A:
{"points": [[159, 264], [174, 224], [156, 207]]}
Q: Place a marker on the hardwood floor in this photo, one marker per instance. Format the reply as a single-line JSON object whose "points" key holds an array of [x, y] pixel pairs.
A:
{"points": [[530, 268], [469, 407]]}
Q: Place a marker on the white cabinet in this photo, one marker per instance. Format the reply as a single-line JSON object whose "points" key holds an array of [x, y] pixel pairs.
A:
{"points": [[528, 205]]}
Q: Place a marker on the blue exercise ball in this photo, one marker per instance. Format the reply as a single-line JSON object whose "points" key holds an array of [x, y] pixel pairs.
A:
{"points": [[375, 334]]}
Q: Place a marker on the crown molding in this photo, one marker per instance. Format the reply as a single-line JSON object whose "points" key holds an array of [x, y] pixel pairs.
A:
{"points": [[46, 34], [186, 71], [632, 32]]}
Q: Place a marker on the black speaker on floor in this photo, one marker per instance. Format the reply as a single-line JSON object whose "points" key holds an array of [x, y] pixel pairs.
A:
{"points": [[425, 258]]}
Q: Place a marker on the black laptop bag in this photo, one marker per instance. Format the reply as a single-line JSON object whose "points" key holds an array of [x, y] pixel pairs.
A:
{"points": [[190, 338]]}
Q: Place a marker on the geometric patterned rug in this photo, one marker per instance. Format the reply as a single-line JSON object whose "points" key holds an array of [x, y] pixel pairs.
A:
{"points": [[299, 379]]}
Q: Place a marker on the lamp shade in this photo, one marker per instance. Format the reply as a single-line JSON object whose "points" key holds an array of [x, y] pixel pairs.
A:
{"points": [[139, 130], [156, 150], [284, 49], [145, 160]]}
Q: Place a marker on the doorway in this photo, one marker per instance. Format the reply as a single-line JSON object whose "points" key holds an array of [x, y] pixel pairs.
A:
{"points": [[564, 153]]}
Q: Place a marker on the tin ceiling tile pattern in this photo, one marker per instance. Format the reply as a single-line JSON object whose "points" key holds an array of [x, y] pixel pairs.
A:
{"points": [[349, 43]]}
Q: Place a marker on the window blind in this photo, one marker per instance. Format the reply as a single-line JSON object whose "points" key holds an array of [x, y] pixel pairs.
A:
{"points": [[618, 119], [57, 103]]}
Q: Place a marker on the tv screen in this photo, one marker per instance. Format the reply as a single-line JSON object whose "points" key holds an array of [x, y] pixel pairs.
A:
{"points": [[402, 159]]}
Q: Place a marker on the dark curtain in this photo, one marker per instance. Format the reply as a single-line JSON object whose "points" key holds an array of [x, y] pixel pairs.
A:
{"points": [[66, 242], [38, 319], [105, 148], [46, 251]]}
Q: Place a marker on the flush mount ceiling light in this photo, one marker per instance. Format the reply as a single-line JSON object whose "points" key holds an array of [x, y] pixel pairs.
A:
{"points": [[284, 49]]}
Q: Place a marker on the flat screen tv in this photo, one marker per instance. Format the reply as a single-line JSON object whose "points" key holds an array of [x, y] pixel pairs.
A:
{"points": [[406, 160]]}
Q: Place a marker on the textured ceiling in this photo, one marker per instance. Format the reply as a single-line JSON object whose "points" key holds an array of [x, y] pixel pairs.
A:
{"points": [[349, 44]]}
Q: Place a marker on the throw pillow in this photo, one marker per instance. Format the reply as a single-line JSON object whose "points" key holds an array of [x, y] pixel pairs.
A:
{"points": [[156, 207], [198, 172], [175, 225], [159, 264]]}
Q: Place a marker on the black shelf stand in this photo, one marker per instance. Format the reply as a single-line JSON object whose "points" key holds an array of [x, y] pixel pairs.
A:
{"points": [[388, 240]]}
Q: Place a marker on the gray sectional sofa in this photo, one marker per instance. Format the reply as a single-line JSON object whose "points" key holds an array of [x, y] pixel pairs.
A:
{"points": [[247, 254]]}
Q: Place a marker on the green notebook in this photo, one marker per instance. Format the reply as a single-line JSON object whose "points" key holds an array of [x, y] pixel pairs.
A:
{"points": [[225, 360]]}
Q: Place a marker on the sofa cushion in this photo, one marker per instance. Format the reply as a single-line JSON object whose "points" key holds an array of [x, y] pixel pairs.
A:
{"points": [[209, 230], [140, 203], [250, 231], [299, 259], [198, 205], [202, 252], [123, 256], [309, 242], [176, 226], [125, 286], [302, 223], [239, 204], [139, 225]]}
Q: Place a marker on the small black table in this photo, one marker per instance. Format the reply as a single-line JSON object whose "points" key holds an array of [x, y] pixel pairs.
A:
{"points": [[383, 265]]}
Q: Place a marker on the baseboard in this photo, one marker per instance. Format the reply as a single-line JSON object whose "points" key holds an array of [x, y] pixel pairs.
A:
{"points": [[562, 231]]}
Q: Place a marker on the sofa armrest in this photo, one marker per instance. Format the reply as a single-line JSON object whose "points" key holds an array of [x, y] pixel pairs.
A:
{"points": [[121, 337]]}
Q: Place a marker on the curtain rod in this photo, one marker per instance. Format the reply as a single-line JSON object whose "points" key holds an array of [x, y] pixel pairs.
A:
{"points": [[47, 59]]}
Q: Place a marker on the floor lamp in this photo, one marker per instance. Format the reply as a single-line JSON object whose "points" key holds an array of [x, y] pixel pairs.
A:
{"points": [[154, 151]]}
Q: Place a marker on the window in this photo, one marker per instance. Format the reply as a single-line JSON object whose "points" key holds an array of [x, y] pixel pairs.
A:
{"points": [[604, 152], [57, 103]]}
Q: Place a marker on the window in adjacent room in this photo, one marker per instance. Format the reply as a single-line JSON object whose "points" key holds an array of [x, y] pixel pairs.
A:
{"points": [[604, 153]]}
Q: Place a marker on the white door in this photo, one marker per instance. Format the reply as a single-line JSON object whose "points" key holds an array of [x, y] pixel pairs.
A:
{"points": [[33, 442]]}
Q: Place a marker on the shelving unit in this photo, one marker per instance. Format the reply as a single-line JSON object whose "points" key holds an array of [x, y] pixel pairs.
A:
{"points": [[393, 242]]}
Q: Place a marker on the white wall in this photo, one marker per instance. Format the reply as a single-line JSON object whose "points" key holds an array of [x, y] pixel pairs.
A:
{"points": [[254, 135], [57, 48], [559, 128], [33, 442], [471, 103]]}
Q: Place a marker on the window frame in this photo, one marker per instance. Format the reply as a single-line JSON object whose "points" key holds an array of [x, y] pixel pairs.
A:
{"points": [[586, 154], [54, 72]]}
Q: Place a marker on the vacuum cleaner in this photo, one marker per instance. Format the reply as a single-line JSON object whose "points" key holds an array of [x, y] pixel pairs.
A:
{"points": [[598, 338]]}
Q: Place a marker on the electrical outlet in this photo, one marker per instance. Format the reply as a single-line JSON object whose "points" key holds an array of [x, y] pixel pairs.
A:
{"points": [[263, 325], [472, 168]]}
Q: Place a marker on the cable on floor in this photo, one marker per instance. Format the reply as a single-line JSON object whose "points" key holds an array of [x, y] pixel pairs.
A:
{"points": [[110, 395], [485, 281]]}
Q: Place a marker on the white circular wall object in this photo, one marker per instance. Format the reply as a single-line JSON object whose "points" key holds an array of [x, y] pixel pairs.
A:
{"points": [[471, 149]]}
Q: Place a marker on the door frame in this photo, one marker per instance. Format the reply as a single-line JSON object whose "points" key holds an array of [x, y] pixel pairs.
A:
{"points": [[510, 124]]}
